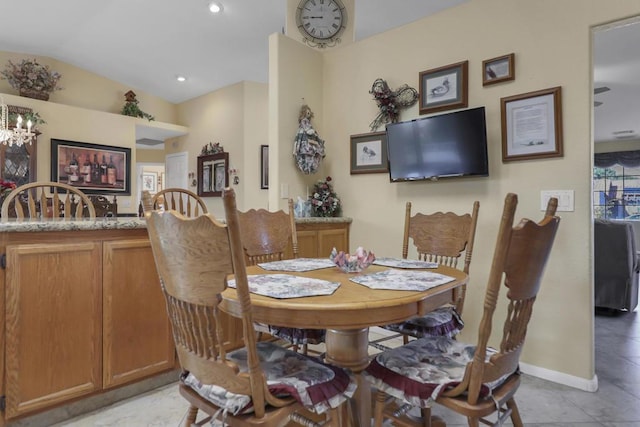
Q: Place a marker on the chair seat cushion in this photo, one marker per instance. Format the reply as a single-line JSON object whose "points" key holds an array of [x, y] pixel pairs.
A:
{"points": [[314, 384], [442, 322], [421, 370], [293, 335]]}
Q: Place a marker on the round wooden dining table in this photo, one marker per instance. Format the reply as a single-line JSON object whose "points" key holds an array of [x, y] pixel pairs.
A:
{"points": [[347, 315]]}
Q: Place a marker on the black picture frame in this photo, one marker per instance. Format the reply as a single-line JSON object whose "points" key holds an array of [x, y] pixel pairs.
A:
{"points": [[369, 153], [107, 180], [444, 88], [264, 167], [213, 174]]}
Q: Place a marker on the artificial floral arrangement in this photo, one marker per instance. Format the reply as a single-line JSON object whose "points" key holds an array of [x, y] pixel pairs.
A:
{"points": [[31, 78], [211, 148], [131, 107], [324, 201], [6, 187], [390, 101]]}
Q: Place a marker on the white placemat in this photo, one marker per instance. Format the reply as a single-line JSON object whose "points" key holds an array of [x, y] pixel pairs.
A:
{"points": [[287, 286], [402, 280], [404, 263], [297, 264]]}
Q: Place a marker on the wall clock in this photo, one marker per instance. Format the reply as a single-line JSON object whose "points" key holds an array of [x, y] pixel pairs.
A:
{"points": [[321, 22]]}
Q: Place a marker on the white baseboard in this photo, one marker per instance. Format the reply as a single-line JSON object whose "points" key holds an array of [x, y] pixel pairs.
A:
{"points": [[560, 378]]}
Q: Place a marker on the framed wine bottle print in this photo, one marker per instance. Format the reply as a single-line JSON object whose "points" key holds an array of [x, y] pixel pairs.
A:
{"points": [[213, 174], [93, 168]]}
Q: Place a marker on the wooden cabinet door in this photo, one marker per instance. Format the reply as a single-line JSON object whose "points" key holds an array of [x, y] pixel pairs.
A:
{"points": [[307, 244], [53, 324], [329, 239], [137, 337]]}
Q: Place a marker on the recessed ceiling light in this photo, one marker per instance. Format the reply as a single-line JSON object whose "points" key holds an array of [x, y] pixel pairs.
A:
{"points": [[181, 78], [215, 7]]}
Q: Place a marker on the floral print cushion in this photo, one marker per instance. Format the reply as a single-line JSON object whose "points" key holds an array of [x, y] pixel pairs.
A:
{"points": [[293, 335], [442, 322], [315, 385], [419, 371]]}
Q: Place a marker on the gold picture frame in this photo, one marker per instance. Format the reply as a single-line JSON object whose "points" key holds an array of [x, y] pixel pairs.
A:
{"points": [[532, 125], [499, 69], [444, 88]]}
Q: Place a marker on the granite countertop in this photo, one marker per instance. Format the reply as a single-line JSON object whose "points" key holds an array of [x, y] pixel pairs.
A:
{"points": [[316, 219], [122, 223]]}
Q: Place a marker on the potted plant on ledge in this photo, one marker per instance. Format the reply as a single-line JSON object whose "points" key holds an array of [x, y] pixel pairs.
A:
{"points": [[31, 78]]}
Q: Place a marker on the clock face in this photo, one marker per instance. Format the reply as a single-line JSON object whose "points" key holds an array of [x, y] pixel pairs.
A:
{"points": [[321, 21]]}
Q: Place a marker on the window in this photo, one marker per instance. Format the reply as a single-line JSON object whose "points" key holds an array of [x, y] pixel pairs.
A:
{"points": [[616, 192]]}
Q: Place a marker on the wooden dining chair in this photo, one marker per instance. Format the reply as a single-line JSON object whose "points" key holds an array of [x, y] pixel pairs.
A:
{"points": [[473, 379], [179, 199], [260, 384], [447, 239], [271, 236], [47, 199]]}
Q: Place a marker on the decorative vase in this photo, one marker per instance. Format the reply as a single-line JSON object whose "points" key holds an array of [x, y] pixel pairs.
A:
{"points": [[35, 94]]}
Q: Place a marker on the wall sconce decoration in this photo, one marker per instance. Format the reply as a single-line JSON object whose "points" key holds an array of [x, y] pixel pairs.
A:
{"points": [[192, 179], [233, 172]]}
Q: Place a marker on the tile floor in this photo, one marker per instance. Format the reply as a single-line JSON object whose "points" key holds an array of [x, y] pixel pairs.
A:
{"points": [[542, 403]]}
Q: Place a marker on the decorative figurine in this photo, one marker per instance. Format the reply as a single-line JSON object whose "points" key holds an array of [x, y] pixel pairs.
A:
{"points": [[308, 150]]}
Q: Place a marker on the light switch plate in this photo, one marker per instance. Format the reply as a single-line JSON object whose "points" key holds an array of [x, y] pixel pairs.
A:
{"points": [[565, 199], [284, 191]]}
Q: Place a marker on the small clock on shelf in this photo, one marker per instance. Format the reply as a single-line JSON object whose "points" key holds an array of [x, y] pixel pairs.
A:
{"points": [[321, 22]]}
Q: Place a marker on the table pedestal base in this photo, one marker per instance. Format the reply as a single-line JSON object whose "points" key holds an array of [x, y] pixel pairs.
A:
{"points": [[350, 349]]}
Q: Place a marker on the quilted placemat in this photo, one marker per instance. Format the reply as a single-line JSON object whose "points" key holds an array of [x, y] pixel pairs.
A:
{"points": [[404, 263], [402, 280], [287, 286], [297, 264]]}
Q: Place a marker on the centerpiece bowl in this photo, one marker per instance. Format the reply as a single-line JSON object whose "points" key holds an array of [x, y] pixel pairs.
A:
{"points": [[352, 263]]}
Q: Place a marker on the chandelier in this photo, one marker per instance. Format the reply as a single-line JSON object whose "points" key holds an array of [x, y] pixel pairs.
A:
{"points": [[18, 135]]}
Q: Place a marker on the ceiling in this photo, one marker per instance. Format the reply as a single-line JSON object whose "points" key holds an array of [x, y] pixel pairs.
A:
{"points": [[146, 44]]}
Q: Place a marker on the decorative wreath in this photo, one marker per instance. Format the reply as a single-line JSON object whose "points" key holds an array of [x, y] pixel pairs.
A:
{"points": [[389, 102]]}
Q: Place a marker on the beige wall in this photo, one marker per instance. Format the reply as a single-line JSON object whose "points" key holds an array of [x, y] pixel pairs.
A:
{"points": [[295, 78], [552, 44], [88, 90], [149, 156], [235, 117]]}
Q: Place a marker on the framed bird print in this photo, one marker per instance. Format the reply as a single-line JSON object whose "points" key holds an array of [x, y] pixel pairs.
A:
{"points": [[444, 88], [369, 153]]}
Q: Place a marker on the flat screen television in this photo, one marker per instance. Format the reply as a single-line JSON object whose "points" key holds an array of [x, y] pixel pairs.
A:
{"points": [[442, 146]]}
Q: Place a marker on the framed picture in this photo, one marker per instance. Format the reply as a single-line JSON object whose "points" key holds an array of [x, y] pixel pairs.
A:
{"points": [[444, 88], [264, 167], [150, 182], [93, 168], [498, 70], [213, 174], [369, 153], [532, 125]]}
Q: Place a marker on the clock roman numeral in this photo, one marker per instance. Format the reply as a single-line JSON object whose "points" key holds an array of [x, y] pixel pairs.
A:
{"points": [[336, 26]]}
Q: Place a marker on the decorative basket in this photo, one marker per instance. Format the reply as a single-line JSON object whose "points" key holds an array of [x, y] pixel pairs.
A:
{"points": [[35, 94]]}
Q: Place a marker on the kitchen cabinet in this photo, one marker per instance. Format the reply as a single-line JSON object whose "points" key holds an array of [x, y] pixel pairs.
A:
{"points": [[84, 313], [317, 236]]}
